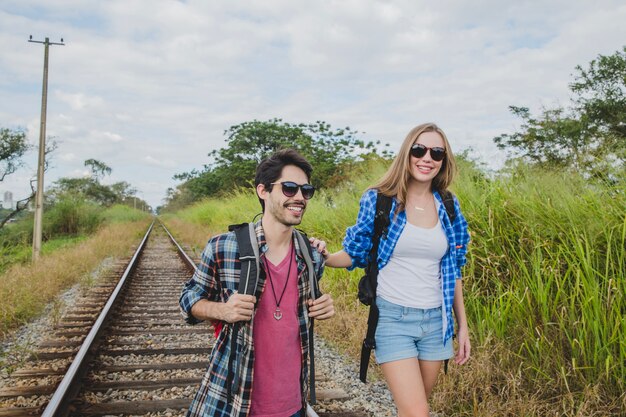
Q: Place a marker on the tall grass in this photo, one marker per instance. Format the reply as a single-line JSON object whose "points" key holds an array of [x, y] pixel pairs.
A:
{"points": [[68, 222], [544, 287], [121, 214], [547, 269], [26, 289]]}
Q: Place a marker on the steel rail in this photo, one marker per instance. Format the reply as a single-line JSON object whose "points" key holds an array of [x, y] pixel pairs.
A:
{"points": [[183, 255], [70, 384]]}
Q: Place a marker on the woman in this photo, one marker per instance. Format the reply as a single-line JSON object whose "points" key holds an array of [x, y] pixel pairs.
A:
{"points": [[420, 260]]}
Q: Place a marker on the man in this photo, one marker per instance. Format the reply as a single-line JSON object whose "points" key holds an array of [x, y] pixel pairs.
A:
{"points": [[272, 341]]}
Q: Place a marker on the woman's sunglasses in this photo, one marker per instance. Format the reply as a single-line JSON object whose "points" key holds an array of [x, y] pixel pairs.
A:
{"points": [[437, 153], [290, 189]]}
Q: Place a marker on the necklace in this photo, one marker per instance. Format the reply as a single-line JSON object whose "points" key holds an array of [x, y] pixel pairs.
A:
{"points": [[418, 208], [277, 313]]}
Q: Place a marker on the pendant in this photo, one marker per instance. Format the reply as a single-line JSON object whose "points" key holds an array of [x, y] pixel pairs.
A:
{"points": [[419, 208], [278, 314]]}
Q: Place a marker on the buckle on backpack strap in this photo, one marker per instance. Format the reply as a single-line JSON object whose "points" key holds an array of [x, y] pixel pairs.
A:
{"points": [[369, 344]]}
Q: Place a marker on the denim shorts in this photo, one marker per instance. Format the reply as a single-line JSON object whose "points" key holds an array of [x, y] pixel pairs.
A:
{"points": [[405, 332]]}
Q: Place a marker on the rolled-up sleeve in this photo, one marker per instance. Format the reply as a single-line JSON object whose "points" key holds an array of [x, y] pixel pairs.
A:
{"points": [[461, 238], [318, 263], [204, 284], [358, 240]]}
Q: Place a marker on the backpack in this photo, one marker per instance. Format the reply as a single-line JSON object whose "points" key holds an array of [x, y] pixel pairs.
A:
{"points": [[248, 282], [369, 282]]}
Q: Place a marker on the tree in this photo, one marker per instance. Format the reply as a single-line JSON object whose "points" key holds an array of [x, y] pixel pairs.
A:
{"points": [[91, 189], [602, 93], [13, 146], [124, 191], [99, 169], [553, 138], [330, 151], [590, 135], [87, 187], [176, 199]]}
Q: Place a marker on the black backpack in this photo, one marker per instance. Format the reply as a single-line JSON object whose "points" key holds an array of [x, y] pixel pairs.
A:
{"points": [[248, 282], [369, 282]]}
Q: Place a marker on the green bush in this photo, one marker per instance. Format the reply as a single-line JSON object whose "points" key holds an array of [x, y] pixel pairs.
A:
{"points": [[18, 233], [66, 222], [71, 216], [121, 214]]}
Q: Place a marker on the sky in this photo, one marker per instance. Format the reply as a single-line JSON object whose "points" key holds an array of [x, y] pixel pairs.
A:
{"points": [[150, 86]]}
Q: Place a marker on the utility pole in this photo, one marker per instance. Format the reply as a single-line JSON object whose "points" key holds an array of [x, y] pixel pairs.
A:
{"points": [[42, 148]]}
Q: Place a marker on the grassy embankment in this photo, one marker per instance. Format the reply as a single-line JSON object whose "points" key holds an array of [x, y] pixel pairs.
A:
{"points": [[26, 288], [544, 289]]}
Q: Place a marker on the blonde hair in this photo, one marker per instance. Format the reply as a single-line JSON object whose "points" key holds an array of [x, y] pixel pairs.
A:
{"points": [[396, 179]]}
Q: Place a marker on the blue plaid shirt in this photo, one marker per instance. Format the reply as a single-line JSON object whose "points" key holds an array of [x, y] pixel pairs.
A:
{"points": [[216, 279], [358, 243]]}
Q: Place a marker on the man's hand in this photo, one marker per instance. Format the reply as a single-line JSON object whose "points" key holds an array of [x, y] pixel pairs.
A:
{"points": [[239, 307], [322, 308]]}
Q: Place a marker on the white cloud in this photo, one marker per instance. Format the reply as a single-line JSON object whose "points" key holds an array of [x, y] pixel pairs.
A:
{"points": [[160, 163], [80, 173], [80, 101], [112, 137], [68, 157]]}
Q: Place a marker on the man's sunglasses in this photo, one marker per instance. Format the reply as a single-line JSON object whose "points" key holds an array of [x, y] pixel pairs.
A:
{"points": [[437, 153], [290, 189]]}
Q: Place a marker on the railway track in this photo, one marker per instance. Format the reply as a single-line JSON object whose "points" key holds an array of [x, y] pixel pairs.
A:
{"points": [[123, 349]]}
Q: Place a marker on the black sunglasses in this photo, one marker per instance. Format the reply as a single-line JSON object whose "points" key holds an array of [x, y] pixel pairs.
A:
{"points": [[290, 189], [437, 153]]}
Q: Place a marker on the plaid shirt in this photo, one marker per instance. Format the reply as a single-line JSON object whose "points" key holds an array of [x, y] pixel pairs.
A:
{"points": [[358, 243], [215, 279]]}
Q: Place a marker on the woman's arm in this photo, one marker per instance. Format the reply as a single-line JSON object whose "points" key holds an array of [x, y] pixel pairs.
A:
{"points": [[358, 240], [338, 259], [463, 354]]}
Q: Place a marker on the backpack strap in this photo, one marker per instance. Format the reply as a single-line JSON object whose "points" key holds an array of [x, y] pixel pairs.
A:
{"points": [[249, 258], [248, 282], [305, 248], [381, 224], [448, 203], [307, 253]]}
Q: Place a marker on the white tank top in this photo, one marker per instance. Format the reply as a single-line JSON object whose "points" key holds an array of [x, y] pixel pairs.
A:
{"points": [[412, 278]]}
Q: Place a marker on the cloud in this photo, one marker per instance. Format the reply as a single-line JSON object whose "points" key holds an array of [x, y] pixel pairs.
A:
{"points": [[112, 137], [160, 163], [80, 101], [68, 157]]}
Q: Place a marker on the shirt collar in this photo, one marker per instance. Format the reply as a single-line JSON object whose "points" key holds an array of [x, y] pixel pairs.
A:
{"points": [[260, 237]]}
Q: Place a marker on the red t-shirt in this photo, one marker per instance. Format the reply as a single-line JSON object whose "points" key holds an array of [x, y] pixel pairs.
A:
{"points": [[277, 351]]}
